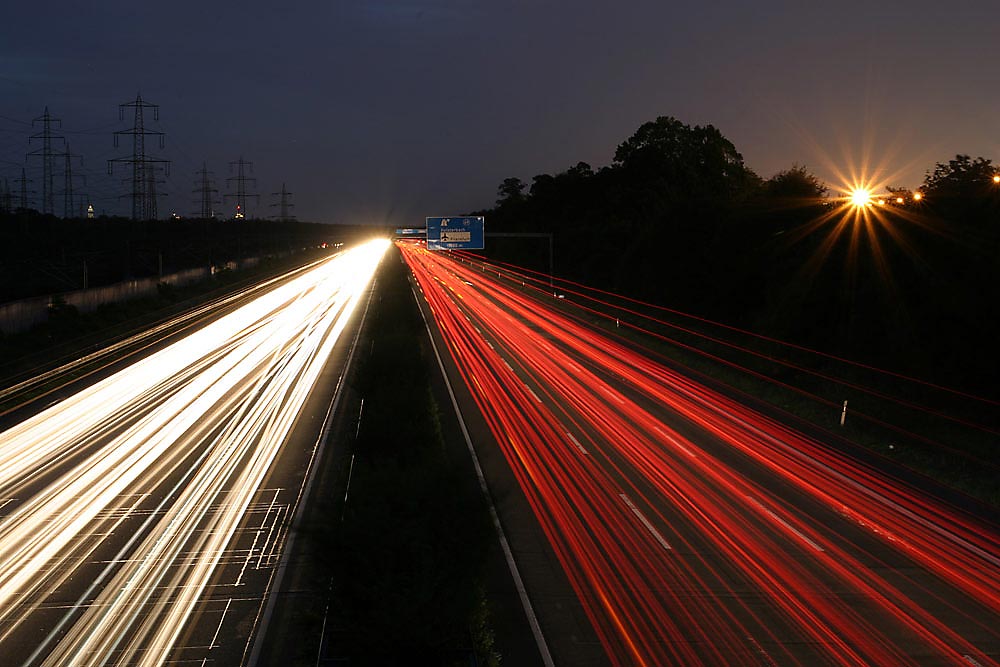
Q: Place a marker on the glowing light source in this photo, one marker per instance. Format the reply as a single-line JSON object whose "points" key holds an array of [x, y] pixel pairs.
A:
{"points": [[996, 178], [861, 197], [917, 196], [899, 200]]}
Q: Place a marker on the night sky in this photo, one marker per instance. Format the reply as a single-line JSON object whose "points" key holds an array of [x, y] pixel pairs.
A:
{"points": [[375, 111]]}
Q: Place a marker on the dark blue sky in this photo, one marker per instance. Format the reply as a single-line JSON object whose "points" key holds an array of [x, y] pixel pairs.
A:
{"points": [[389, 111]]}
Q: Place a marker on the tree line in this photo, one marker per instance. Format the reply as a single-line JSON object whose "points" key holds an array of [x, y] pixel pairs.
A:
{"points": [[908, 281], [41, 255]]}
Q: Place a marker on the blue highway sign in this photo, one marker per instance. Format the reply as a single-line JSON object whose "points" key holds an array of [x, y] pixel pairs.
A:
{"points": [[457, 232]]}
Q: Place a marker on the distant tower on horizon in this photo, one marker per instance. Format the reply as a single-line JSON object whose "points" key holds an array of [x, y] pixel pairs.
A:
{"points": [[151, 192], [144, 167], [283, 215], [206, 187], [241, 194], [5, 198], [48, 158], [23, 199], [69, 210]]}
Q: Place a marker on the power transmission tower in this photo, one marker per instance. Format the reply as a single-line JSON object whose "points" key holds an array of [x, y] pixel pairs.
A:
{"points": [[206, 188], [284, 204], [151, 191], [5, 198], [48, 158], [241, 193], [68, 196], [143, 187], [23, 199]]}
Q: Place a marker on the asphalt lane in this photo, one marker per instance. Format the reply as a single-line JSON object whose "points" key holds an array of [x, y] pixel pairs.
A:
{"points": [[564, 624], [689, 529], [141, 519]]}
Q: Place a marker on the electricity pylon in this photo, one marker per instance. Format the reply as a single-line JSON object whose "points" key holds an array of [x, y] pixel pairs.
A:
{"points": [[143, 185], [284, 204], [48, 158], [241, 193]]}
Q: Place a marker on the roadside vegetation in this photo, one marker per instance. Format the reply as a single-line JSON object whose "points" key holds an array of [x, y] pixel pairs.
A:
{"points": [[907, 282]]}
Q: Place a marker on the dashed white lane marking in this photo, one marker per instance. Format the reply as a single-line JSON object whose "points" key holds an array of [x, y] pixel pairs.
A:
{"points": [[785, 524], [642, 517]]}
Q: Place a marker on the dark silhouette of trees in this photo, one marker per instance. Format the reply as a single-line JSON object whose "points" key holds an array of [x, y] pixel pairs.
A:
{"points": [[42, 254], [906, 194], [510, 191], [690, 161], [962, 191], [960, 177], [581, 170], [670, 195], [794, 184], [679, 219]]}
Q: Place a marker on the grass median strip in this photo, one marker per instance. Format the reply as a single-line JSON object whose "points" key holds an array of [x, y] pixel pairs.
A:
{"points": [[407, 560]]}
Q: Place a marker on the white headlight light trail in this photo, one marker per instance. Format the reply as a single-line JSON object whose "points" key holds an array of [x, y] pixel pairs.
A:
{"points": [[218, 404]]}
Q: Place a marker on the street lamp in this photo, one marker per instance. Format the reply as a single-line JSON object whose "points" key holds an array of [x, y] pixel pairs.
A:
{"points": [[860, 197]]}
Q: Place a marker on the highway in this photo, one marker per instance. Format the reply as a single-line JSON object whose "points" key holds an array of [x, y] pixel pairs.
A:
{"points": [[141, 517], [687, 528]]}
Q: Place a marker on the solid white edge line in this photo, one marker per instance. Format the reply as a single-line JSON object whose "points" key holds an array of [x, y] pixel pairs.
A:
{"points": [[263, 620], [529, 611]]}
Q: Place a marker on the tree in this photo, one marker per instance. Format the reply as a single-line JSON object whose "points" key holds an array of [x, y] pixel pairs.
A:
{"points": [[797, 183], [963, 192], [897, 193], [961, 177], [692, 162], [581, 170], [511, 190], [541, 185]]}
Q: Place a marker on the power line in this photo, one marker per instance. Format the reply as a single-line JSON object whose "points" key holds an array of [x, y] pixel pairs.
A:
{"points": [[16, 120]]}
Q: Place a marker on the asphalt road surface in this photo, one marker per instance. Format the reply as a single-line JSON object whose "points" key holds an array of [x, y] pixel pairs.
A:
{"points": [[656, 521], [141, 518]]}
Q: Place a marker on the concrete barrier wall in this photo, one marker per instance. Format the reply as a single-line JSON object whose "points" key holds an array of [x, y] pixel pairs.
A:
{"points": [[22, 315]]}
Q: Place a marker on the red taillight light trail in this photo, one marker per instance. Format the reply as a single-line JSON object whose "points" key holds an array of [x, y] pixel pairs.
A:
{"points": [[661, 534]]}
